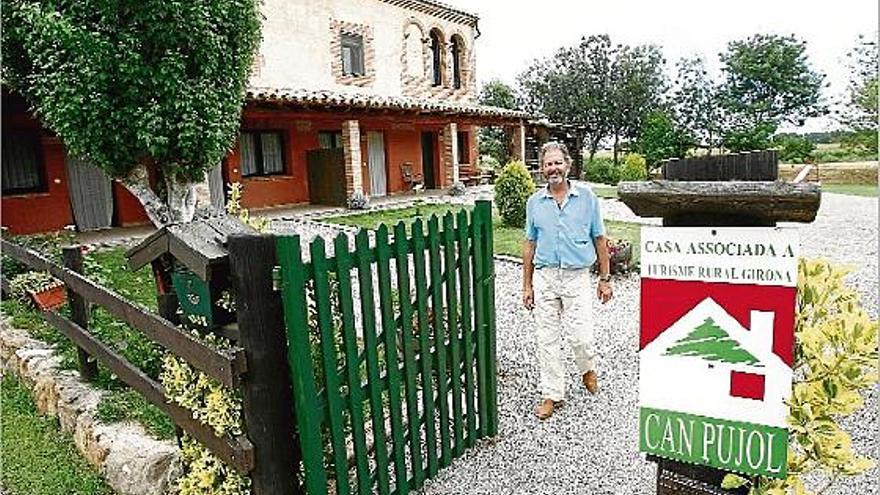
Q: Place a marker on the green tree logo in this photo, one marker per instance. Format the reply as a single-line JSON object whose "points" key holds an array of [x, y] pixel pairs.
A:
{"points": [[712, 343]]}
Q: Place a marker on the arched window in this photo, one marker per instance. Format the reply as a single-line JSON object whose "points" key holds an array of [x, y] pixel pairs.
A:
{"points": [[436, 58], [457, 54]]}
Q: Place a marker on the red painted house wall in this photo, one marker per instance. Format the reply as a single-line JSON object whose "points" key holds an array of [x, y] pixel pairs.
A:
{"points": [[44, 211]]}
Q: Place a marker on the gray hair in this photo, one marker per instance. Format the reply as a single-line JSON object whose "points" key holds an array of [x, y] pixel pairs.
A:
{"points": [[554, 145]]}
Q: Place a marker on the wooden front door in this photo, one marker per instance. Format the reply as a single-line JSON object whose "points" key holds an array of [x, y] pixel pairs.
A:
{"points": [[428, 149], [326, 176], [376, 160], [91, 195]]}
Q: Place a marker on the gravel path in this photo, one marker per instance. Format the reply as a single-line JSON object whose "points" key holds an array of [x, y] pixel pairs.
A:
{"points": [[590, 446]]}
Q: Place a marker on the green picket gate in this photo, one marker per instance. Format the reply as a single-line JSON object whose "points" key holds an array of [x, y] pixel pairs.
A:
{"points": [[391, 348]]}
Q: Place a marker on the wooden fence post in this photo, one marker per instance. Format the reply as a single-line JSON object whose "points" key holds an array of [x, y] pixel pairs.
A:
{"points": [[488, 286], [266, 391], [79, 312]]}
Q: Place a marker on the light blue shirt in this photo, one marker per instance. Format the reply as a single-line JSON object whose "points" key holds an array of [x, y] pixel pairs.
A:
{"points": [[564, 234]]}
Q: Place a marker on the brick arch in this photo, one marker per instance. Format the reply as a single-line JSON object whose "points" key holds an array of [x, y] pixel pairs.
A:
{"points": [[407, 78], [464, 62], [444, 74]]}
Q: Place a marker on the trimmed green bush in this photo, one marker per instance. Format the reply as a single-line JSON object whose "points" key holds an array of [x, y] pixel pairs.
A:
{"points": [[513, 187], [634, 168], [794, 149], [602, 170]]}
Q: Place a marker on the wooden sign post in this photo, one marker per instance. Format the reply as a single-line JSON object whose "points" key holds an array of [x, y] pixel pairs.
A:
{"points": [[737, 194]]}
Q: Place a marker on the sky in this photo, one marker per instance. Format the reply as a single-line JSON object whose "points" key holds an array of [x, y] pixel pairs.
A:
{"points": [[513, 33]]}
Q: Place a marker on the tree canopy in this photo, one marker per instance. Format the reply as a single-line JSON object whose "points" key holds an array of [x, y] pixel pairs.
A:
{"points": [[860, 112], [128, 83], [493, 140], [768, 82]]}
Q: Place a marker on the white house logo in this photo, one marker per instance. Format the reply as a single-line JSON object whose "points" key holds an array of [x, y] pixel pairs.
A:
{"points": [[715, 370]]}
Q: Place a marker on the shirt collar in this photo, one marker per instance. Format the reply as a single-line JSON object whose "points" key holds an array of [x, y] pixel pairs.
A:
{"points": [[572, 191]]}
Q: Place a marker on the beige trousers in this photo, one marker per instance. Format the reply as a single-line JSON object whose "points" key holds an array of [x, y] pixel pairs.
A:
{"points": [[563, 308]]}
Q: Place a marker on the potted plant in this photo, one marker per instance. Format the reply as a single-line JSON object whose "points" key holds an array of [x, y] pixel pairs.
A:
{"points": [[40, 289]]}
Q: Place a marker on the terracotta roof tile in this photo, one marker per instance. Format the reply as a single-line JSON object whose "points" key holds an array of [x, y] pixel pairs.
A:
{"points": [[378, 102]]}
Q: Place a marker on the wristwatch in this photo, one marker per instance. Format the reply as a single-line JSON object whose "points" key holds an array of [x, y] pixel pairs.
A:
{"points": [[604, 278]]}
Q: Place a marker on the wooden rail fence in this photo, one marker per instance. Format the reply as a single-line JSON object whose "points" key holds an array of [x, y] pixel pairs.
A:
{"points": [[223, 365]]}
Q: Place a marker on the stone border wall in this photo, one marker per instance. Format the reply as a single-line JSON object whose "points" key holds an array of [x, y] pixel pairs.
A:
{"points": [[132, 462]]}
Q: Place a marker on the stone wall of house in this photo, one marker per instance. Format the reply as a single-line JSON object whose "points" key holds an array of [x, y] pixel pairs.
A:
{"points": [[300, 49]]}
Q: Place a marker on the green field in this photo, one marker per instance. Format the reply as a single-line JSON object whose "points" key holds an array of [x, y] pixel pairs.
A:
{"points": [[870, 190]]}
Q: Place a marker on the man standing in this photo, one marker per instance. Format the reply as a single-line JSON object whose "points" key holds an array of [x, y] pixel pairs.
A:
{"points": [[564, 237]]}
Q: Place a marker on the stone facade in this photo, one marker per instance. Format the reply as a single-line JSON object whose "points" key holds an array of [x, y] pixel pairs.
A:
{"points": [[301, 47], [339, 28]]}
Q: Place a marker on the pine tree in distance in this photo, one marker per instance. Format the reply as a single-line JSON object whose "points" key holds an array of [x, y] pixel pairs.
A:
{"points": [[712, 343]]}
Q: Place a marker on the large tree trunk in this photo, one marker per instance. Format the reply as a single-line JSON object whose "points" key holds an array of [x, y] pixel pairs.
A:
{"points": [[616, 140], [180, 197], [138, 183]]}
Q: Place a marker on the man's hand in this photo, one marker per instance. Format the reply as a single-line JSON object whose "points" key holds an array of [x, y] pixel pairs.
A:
{"points": [[604, 292], [528, 298]]}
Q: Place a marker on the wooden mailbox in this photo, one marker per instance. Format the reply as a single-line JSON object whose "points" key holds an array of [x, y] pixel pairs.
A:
{"points": [[191, 261]]}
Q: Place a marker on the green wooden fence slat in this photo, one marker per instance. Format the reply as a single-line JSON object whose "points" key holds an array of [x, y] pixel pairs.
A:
{"points": [[293, 277], [439, 339], [386, 303], [489, 320], [448, 237], [425, 357], [466, 326], [328, 356], [353, 377], [371, 346], [409, 365], [479, 317]]}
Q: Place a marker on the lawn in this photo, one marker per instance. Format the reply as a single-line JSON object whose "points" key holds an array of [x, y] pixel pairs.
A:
{"points": [[37, 458], [108, 267], [869, 190], [508, 240]]}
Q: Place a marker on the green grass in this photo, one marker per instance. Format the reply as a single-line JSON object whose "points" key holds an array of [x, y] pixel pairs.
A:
{"points": [[37, 459], [870, 190], [109, 268], [508, 240]]}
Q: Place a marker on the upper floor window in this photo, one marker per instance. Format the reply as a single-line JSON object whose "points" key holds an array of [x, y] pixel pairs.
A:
{"points": [[352, 54], [262, 153], [436, 59], [22, 163], [457, 54]]}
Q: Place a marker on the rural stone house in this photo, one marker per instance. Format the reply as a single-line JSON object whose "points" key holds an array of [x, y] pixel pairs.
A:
{"points": [[346, 97]]}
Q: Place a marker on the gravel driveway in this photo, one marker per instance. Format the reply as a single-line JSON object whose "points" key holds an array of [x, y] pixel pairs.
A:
{"points": [[590, 446]]}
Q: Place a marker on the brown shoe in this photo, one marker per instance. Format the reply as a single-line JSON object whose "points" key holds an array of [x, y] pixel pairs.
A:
{"points": [[546, 408], [591, 382]]}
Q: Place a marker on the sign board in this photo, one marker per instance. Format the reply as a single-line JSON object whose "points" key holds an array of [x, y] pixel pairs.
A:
{"points": [[716, 345]]}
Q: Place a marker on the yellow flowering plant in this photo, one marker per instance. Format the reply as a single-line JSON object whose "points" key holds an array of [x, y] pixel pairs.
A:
{"points": [[835, 362]]}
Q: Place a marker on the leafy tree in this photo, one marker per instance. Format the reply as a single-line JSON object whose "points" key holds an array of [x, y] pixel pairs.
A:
{"points": [[125, 84], [661, 138], [794, 148], [768, 82], [860, 112], [573, 87], [637, 86], [696, 103], [494, 140], [603, 90]]}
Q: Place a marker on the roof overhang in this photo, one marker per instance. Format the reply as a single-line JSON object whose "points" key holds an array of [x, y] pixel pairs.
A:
{"points": [[325, 100]]}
